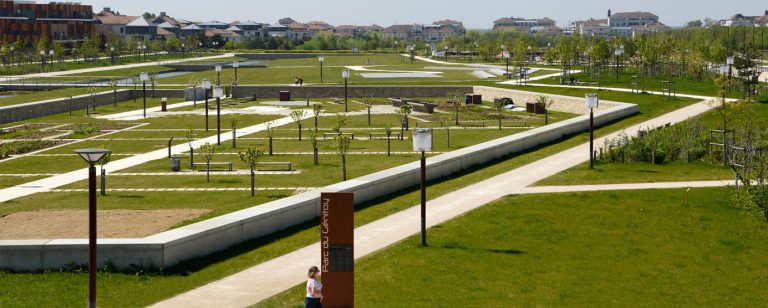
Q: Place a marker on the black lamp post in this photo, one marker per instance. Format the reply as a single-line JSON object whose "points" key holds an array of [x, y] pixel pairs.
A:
{"points": [[218, 75], [422, 142], [446, 53], [505, 54], [618, 52], [42, 61], [322, 59], [593, 101], [92, 156], [112, 55], [345, 75], [218, 92], [206, 87], [729, 61], [144, 77]]}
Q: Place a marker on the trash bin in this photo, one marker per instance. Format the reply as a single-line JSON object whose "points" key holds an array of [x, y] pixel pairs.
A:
{"points": [[175, 163], [164, 101]]}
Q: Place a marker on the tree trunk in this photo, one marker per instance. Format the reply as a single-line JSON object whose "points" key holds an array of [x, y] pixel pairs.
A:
{"points": [[315, 122], [546, 116], [344, 167], [114, 97], [270, 146], [103, 182], [191, 158], [499, 121], [208, 171], [369, 116], [234, 138], [448, 132], [299, 131], [315, 154], [253, 183], [402, 132]]}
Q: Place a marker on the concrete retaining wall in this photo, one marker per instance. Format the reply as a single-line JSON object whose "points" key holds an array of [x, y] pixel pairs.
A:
{"points": [[299, 93], [169, 248], [562, 103]]}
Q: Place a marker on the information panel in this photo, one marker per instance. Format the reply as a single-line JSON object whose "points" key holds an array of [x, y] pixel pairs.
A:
{"points": [[337, 251]]}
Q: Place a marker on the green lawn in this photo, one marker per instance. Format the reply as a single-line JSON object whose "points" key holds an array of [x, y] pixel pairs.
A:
{"points": [[67, 66], [629, 248], [29, 97], [618, 173]]}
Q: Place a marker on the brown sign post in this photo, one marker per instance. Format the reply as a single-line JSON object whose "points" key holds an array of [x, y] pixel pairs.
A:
{"points": [[337, 257]]}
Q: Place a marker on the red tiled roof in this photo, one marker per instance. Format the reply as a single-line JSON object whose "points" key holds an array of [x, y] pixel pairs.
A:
{"points": [[297, 26], [112, 19], [633, 14], [164, 32]]}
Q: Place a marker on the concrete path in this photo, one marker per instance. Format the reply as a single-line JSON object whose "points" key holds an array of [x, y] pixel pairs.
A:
{"points": [[267, 279], [48, 184], [615, 89], [628, 186]]}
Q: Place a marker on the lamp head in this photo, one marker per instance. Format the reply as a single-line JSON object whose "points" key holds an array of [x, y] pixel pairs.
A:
{"points": [[218, 68], [235, 64], [206, 84], [345, 74], [218, 92], [422, 140], [592, 100], [92, 156], [144, 76]]}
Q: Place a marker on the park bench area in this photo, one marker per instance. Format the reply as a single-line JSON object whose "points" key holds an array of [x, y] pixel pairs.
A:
{"points": [[351, 135], [383, 136], [417, 106], [274, 166], [228, 165]]}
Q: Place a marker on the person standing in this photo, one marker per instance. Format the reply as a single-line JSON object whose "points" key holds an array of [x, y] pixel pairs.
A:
{"points": [[314, 289]]}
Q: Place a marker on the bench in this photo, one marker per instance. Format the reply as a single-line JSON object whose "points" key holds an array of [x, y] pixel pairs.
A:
{"points": [[423, 107], [325, 135], [580, 83], [383, 136], [479, 123], [284, 164], [228, 164]]}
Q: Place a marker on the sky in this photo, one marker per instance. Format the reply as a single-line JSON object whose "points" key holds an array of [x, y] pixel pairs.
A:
{"points": [[478, 14]]}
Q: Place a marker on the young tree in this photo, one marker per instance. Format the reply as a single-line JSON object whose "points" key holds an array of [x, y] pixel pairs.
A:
{"points": [[314, 140], [388, 132], [499, 106], [233, 122], [153, 82], [113, 86], [545, 102], [103, 162], [341, 145], [298, 116], [339, 123], [445, 122], [194, 83], [251, 157], [135, 80], [368, 103], [190, 135], [317, 109], [455, 99], [270, 133], [92, 93], [207, 151]]}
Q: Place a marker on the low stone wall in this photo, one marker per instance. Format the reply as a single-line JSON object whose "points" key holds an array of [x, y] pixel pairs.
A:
{"points": [[299, 93], [278, 56], [562, 103], [15, 113], [200, 239]]}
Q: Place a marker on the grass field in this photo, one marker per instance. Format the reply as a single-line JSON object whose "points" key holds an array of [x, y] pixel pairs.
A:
{"points": [[618, 173], [577, 249], [19, 97]]}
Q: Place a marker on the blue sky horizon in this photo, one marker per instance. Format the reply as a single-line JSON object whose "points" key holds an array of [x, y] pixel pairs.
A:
{"points": [[479, 16]]}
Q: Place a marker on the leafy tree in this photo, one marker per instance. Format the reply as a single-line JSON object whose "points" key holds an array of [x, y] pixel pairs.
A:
{"points": [[339, 123], [251, 157], [388, 132], [368, 103], [445, 122], [298, 116], [190, 135], [233, 122], [499, 106], [341, 145], [102, 163], [206, 153], [545, 102], [314, 140], [455, 99], [316, 110]]}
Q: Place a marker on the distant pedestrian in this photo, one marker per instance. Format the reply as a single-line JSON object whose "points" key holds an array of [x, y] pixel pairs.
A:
{"points": [[296, 81], [314, 289]]}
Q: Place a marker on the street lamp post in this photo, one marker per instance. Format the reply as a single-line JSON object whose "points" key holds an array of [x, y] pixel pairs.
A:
{"points": [[206, 87], [422, 142], [42, 60], [505, 54], [729, 61], [446, 53], [322, 59], [724, 70], [92, 156], [618, 52], [218, 75], [593, 101], [144, 77], [235, 65], [345, 75], [218, 92]]}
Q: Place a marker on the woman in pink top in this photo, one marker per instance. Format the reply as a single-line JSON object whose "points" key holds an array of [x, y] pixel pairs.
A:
{"points": [[314, 289]]}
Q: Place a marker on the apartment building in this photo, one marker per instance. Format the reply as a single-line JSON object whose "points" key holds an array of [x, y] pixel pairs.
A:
{"points": [[59, 21]]}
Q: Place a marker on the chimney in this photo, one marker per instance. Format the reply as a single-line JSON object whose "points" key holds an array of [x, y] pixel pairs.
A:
{"points": [[162, 14], [107, 9], [766, 12]]}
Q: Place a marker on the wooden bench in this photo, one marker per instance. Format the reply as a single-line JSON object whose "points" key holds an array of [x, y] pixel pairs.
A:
{"points": [[228, 164], [479, 123], [284, 164], [325, 135], [383, 136]]}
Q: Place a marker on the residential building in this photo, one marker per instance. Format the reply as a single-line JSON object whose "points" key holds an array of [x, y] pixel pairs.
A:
{"points": [[60, 22], [112, 23], [319, 26], [141, 29], [740, 20], [631, 19], [213, 25], [298, 31], [439, 32], [347, 30], [248, 29], [591, 27], [276, 30], [522, 24], [191, 30], [164, 18], [226, 35], [403, 32]]}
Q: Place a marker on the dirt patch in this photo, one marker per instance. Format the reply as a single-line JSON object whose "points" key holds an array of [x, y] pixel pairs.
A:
{"points": [[74, 223]]}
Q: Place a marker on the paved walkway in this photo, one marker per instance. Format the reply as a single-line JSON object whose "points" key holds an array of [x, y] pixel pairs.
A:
{"points": [[191, 189], [269, 278]]}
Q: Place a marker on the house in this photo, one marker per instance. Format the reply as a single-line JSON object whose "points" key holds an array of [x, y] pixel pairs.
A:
{"points": [[591, 27], [439, 32], [347, 30], [276, 30], [654, 28], [61, 22], [226, 35], [166, 27], [740, 20], [402, 32], [141, 29], [521, 24], [213, 25], [631, 19], [298, 31], [191, 30], [248, 29], [112, 23], [319, 26], [164, 18]]}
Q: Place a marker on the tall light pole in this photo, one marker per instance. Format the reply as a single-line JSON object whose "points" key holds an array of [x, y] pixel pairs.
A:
{"points": [[322, 59], [112, 54], [422, 142], [92, 156], [618, 52], [505, 54], [724, 70], [593, 101], [42, 61], [51, 53], [144, 77], [729, 61], [345, 75], [206, 87], [218, 92], [218, 74], [446, 53]]}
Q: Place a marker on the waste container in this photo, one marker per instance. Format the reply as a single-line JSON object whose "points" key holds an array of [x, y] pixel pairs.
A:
{"points": [[175, 163], [164, 101]]}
